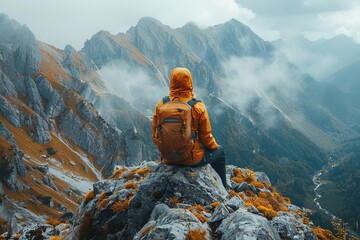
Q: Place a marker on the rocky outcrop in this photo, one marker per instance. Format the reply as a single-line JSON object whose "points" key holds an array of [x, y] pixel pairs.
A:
{"points": [[6, 134], [9, 112], [157, 201]]}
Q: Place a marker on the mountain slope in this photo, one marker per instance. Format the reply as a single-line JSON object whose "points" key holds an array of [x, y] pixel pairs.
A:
{"points": [[347, 79], [54, 144]]}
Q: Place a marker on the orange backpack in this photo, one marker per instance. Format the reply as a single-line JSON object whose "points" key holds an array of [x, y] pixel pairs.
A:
{"points": [[174, 137]]}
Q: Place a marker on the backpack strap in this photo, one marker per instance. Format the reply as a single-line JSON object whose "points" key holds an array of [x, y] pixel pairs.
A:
{"points": [[193, 101], [166, 99]]}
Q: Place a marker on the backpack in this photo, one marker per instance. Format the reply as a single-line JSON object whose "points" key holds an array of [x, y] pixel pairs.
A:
{"points": [[174, 136]]}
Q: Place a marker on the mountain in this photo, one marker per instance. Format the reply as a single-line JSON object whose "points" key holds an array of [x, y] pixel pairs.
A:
{"points": [[54, 144], [323, 57], [347, 79], [71, 117]]}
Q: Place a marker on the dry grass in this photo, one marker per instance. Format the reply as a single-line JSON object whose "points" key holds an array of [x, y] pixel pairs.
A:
{"points": [[55, 222], [117, 173], [268, 212], [200, 217], [215, 204], [197, 234], [197, 208], [102, 204], [120, 206], [130, 175], [130, 185], [323, 234], [174, 200], [56, 238], [145, 231], [143, 172], [89, 196], [102, 196]]}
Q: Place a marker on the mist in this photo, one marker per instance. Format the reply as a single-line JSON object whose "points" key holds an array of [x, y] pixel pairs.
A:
{"points": [[133, 85], [254, 84], [319, 66]]}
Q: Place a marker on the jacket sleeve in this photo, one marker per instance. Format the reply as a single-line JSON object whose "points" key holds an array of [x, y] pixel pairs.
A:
{"points": [[154, 123], [154, 120], [205, 136]]}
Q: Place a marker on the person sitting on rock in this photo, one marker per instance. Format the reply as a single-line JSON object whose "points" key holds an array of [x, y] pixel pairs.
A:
{"points": [[181, 128]]}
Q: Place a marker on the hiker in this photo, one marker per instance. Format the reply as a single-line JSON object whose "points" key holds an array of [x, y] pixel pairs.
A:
{"points": [[181, 128]]}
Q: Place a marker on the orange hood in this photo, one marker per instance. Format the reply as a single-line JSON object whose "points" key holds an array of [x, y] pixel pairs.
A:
{"points": [[181, 84]]}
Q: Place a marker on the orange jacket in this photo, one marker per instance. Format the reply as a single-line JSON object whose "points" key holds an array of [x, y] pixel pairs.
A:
{"points": [[181, 86]]}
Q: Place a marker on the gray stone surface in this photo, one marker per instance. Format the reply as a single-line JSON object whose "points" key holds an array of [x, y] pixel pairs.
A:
{"points": [[169, 223], [242, 225]]}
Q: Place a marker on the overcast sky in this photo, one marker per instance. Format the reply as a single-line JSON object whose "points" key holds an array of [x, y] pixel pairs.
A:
{"points": [[61, 22]]}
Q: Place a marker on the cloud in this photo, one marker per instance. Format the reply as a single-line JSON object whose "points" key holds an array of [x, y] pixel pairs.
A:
{"points": [[317, 65], [289, 18], [344, 22], [250, 79], [61, 22]]}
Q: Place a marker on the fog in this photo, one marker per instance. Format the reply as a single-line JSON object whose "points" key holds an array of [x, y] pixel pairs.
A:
{"points": [[133, 85], [249, 79]]}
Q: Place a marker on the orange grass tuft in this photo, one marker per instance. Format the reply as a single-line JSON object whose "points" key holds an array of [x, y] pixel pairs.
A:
{"points": [[120, 206], [143, 172], [89, 196], [268, 213], [130, 175], [129, 185], [117, 173], [146, 230], [174, 200], [197, 234], [215, 204], [54, 222], [197, 208], [200, 217], [102, 204], [102, 196], [323, 234]]}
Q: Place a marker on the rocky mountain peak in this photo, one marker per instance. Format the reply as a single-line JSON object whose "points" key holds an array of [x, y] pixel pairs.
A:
{"points": [[158, 201], [13, 33]]}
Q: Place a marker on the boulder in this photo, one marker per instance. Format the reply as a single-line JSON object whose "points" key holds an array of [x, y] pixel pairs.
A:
{"points": [[244, 225]]}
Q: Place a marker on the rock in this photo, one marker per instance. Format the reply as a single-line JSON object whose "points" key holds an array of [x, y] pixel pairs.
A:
{"points": [[168, 223], [244, 225], [262, 177], [61, 207], [29, 168], [221, 212], [19, 163], [48, 201], [72, 163], [38, 231], [68, 216], [33, 97], [55, 104], [49, 182], [7, 88], [169, 180], [86, 170], [289, 227], [44, 168], [6, 134], [1, 189], [9, 112], [242, 187], [235, 203]]}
